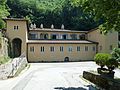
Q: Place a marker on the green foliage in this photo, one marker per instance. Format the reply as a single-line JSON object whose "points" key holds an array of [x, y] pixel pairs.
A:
{"points": [[116, 54], [4, 59], [112, 63], [108, 10], [101, 59], [109, 60], [3, 12], [55, 12]]}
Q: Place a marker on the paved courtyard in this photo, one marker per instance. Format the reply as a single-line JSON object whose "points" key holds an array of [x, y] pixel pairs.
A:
{"points": [[52, 76]]}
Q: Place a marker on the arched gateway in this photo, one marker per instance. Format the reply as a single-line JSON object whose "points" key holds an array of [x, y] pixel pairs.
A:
{"points": [[16, 45]]}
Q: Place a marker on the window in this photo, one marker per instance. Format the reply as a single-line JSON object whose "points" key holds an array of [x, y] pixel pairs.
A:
{"points": [[82, 37], [70, 49], [15, 27], [32, 49], [52, 49], [73, 36], [42, 49], [41, 36], [64, 36], [111, 47], [93, 48], [78, 48], [86, 48], [53, 36], [33, 36], [61, 49], [45, 36], [100, 48]]}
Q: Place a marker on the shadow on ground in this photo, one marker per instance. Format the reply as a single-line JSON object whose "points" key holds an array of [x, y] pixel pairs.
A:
{"points": [[90, 87]]}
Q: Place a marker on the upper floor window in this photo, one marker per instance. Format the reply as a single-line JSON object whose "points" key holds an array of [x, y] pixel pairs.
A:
{"points": [[33, 36], [43, 36], [52, 49], [54, 36], [42, 49], [61, 49], [32, 49], [64, 36], [15, 27], [82, 37], [73, 36], [86, 48], [78, 48]]}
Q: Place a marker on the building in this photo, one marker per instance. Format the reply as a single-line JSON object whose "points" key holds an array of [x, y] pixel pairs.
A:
{"points": [[42, 44]]}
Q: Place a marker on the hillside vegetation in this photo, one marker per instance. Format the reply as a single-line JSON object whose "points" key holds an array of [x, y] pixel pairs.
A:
{"points": [[55, 12]]}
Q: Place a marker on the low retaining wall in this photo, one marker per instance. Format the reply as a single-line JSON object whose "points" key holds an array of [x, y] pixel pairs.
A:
{"points": [[105, 83], [10, 69]]}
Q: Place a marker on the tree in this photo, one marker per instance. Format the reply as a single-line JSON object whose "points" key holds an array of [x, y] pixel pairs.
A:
{"points": [[55, 12], [3, 12], [107, 10]]}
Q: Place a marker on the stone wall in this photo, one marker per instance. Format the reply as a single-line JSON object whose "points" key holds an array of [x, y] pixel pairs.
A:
{"points": [[10, 69], [3, 46], [105, 83]]}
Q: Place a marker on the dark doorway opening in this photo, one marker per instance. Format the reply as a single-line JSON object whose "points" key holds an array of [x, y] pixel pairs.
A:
{"points": [[16, 45], [66, 59]]}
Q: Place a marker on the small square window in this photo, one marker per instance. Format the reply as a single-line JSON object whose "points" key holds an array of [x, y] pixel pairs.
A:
{"points": [[15, 27]]}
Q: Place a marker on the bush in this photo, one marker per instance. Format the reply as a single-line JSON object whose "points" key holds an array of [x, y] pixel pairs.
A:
{"points": [[101, 59], [4, 59], [116, 54], [111, 64]]}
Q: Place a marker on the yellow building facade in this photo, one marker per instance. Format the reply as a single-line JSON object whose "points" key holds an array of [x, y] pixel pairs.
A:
{"points": [[43, 44]]}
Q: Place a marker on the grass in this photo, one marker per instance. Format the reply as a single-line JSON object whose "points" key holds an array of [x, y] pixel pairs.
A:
{"points": [[4, 59], [21, 69]]}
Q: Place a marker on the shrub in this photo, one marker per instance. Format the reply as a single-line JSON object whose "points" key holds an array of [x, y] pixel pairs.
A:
{"points": [[116, 54], [4, 59], [111, 64], [101, 59]]}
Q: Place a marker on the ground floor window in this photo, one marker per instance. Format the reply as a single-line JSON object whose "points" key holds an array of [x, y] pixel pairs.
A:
{"points": [[42, 49], [32, 49], [93, 48], [78, 48], [86, 48], [61, 48], [111, 47], [70, 49], [52, 49]]}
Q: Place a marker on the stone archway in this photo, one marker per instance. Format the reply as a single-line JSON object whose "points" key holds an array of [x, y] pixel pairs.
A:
{"points": [[16, 45]]}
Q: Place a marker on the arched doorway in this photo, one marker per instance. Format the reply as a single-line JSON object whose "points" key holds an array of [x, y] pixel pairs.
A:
{"points": [[16, 45]]}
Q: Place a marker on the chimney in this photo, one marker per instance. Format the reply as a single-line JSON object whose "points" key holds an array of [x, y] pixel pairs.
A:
{"points": [[34, 26], [52, 26], [62, 26], [41, 26]]}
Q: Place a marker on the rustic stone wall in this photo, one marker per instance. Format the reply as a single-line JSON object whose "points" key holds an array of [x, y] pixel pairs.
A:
{"points": [[3, 46], [103, 82]]}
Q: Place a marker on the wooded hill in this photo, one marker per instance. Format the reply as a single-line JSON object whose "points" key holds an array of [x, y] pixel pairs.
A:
{"points": [[55, 12]]}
